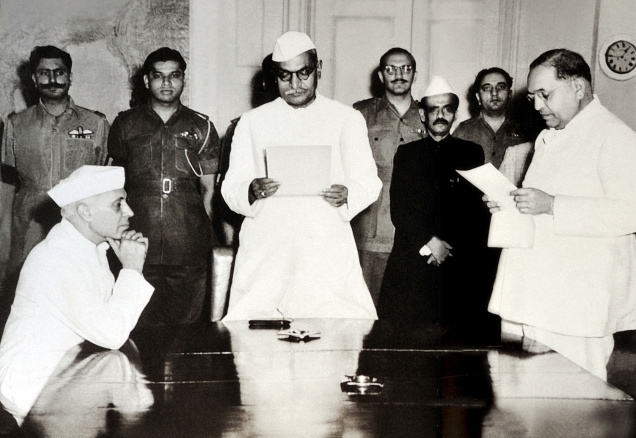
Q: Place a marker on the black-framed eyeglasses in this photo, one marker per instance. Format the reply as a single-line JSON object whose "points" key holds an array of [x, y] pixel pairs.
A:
{"points": [[392, 69], [302, 74]]}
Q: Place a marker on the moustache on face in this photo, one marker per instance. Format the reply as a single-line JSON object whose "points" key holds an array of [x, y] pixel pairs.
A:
{"points": [[441, 122], [399, 81]]}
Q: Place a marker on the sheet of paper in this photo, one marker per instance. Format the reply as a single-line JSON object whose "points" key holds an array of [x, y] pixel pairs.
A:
{"points": [[301, 170], [509, 228]]}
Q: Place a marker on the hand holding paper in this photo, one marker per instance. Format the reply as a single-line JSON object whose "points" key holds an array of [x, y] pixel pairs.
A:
{"points": [[509, 227]]}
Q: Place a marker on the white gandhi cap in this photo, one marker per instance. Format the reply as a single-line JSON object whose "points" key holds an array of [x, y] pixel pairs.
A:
{"points": [[87, 181], [291, 44], [438, 86]]}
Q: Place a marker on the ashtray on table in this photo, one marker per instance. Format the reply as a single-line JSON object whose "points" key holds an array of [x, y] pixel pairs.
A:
{"points": [[361, 384], [296, 335]]}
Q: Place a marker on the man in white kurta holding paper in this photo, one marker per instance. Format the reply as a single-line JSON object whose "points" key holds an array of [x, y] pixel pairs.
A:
{"points": [[575, 287], [297, 255], [66, 293]]}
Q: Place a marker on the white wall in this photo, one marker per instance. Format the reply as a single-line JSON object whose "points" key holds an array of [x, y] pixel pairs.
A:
{"points": [[616, 17]]}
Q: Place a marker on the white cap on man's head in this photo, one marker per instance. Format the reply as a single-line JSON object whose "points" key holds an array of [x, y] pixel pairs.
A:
{"points": [[438, 85], [291, 44], [87, 181]]}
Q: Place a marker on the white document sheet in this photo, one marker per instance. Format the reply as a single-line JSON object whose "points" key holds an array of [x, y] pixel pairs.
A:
{"points": [[301, 170], [509, 228]]}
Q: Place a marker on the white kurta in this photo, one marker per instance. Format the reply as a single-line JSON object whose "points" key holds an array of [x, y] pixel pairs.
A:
{"points": [[297, 255], [66, 295], [579, 279]]}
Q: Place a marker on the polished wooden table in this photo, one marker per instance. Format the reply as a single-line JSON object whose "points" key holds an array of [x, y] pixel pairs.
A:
{"points": [[226, 380]]}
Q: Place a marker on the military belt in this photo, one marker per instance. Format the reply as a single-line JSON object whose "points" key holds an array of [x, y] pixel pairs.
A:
{"points": [[165, 186]]}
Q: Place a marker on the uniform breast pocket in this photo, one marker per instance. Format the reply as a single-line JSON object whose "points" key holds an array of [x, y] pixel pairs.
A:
{"points": [[383, 145], [79, 151], [185, 154], [140, 153]]}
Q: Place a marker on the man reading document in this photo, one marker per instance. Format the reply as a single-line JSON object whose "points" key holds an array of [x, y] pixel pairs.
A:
{"points": [[575, 287], [297, 256]]}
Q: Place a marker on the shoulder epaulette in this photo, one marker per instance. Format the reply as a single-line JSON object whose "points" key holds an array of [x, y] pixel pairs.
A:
{"points": [[99, 113], [203, 116], [13, 113]]}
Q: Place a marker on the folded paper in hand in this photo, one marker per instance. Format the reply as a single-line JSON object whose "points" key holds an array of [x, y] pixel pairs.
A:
{"points": [[509, 228], [301, 170]]}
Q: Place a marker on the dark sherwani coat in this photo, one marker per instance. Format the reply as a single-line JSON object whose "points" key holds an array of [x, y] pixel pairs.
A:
{"points": [[429, 198]]}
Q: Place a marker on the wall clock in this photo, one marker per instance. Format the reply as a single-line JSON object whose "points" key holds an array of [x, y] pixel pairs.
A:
{"points": [[617, 57]]}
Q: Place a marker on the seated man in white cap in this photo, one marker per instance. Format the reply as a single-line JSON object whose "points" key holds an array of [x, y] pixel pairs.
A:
{"points": [[66, 293], [297, 256], [436, 214]]}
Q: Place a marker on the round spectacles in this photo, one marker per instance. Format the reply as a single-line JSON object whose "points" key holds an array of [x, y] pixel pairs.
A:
{"points": [[302, 74], [392, 69], [545, 95]]}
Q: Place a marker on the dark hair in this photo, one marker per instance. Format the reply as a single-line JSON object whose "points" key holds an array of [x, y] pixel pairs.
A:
{"points": [[454, 102], [482, 74], [163, 54], [48, 52], [397, 51], [567, 64]]}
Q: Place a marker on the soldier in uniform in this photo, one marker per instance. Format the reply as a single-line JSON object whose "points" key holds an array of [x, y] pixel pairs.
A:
{"points": [[392, 120], [170, 154], [45, 143]]}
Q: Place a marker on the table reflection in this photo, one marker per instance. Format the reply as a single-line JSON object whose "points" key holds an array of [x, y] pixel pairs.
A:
{"points": [[226, 380], [539, 395], [92, 395]]}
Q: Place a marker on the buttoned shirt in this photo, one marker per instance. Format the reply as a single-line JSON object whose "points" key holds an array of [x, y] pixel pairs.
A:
{"points": [[163, 162], [493, 143], [45, 149], [387, 130]]}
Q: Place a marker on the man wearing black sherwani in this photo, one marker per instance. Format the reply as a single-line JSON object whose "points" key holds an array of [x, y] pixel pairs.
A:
{"points": [[438, 269]]}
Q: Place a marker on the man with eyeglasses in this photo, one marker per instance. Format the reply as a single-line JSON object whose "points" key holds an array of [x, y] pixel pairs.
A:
{"points": [[45, 143], [392, 120], [492, 128], [575, 287], [297, 255], [433, 274], [170, 154]]}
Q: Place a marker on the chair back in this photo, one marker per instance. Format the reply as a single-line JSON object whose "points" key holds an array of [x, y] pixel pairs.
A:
{"points": [[222, 268]]}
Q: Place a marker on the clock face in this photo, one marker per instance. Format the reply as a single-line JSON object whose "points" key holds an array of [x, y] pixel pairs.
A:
{"points": [[620, 57]]}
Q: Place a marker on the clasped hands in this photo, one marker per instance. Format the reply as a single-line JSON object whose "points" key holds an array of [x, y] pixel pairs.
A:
{"points": [[130, 249], [439, 249], [528, 200], [262, 188]]}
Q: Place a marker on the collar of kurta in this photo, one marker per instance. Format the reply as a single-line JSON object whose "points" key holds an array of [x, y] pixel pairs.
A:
{"points": [[78, 238], [583, 118], [288, 107], [71, 108]]}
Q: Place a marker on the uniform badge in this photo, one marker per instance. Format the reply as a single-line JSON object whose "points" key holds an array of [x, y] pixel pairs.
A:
{"points": [[80, 132], [189, 135]]}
